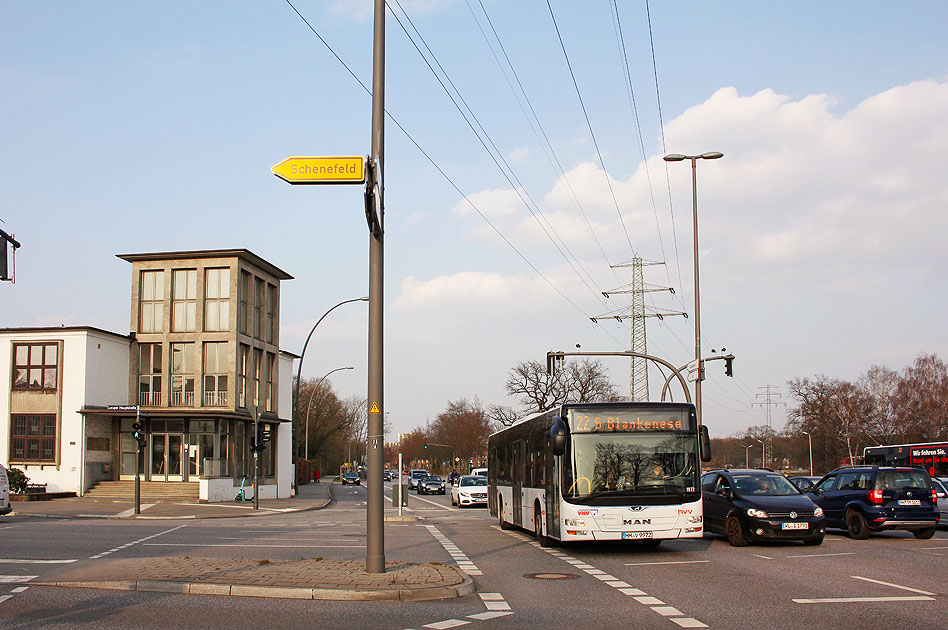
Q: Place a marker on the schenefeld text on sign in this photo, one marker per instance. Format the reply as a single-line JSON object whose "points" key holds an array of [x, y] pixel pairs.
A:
{"points": [[328, 169]]}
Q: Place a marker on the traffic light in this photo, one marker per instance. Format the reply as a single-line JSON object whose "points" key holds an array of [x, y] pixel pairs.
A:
{"points": [[728, 367], [426, 445], [138, 433]]}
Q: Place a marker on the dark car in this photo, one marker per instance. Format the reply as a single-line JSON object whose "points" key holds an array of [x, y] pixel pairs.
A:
{"points": [[866, 499], [804, 483], [351, 478], [416, 475], [432, 484], [750, 505]]}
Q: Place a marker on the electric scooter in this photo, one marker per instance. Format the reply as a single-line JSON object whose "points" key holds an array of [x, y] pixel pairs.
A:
{"points": [[242, 493]]}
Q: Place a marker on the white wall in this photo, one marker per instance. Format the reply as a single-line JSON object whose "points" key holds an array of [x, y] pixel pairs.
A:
{"points": [[284, 441]]}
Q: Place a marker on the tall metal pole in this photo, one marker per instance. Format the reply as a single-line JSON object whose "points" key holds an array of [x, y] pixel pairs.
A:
{"points": [[138, 459], [810, 440], [375, 508], [694, 205]]}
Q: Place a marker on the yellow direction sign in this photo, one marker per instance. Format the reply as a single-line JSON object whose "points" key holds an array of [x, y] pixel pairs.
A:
{"points": [[321, 170]]}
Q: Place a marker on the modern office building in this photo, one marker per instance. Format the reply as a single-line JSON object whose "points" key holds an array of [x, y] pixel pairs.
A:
{"points": [[201, 368]]}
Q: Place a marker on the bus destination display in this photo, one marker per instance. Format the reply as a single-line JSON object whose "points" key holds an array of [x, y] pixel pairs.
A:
{"points": [[615, 421]]}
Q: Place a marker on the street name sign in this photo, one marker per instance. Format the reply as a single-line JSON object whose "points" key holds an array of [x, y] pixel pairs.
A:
{"points": [[321, 170]]}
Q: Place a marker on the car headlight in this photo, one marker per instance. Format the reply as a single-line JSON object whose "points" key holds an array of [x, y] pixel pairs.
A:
{"points": [[756, 513], [575, 522], [818, 512], [466, 495]]}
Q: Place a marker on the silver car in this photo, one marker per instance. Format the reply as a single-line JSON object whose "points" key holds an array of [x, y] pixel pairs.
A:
{"points": [[940, 484]]}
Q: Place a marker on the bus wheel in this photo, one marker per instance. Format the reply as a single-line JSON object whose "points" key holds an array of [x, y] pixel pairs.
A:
{"points": [[538, 528], [500, 514]]}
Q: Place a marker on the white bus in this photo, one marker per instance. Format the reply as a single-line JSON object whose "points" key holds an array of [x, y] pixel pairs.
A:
{"points": [[601, 471]]}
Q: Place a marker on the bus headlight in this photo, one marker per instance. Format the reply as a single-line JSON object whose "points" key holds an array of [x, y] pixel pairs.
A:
{"points": [[575, 522], [694, 519], [756, 513]]}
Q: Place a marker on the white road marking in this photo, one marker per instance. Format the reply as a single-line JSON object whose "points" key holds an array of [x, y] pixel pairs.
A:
{"points": [[448, 623], [904, 588], [843, 600], [642, 564], [4, 598], [688, 622], [16, 579], [764, 557], [258, 546], [823, 555], [18, 561], [464, 563], [490, 614], [135, 542], [435, 503]]}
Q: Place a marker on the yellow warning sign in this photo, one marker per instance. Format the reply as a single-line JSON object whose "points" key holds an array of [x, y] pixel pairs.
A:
{"points": [[374, 408]]}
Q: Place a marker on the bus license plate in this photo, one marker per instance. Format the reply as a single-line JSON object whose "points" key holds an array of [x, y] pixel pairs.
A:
{"points": [[794, 526], [909, 502], [628, 535]]}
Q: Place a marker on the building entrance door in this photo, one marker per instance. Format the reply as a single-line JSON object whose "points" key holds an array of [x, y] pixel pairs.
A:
{"points": [[166, 455]]}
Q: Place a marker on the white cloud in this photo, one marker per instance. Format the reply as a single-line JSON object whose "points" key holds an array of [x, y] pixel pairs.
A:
{"points": [[519, 154]]}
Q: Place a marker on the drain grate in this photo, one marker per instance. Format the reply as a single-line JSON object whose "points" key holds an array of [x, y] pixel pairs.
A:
{"points": [[551, 576]]}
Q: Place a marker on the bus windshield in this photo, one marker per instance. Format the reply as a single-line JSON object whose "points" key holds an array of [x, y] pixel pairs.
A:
{"points": [[623, 465]]}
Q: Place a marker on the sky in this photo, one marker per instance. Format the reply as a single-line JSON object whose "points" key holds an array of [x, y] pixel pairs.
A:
{"points": [[144, 127]]}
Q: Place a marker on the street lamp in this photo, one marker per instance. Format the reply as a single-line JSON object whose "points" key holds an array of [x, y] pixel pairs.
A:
{"points": [[763, 454], [310, 404], [810, 440], [299, 371], [678, 157], [747, 461]]}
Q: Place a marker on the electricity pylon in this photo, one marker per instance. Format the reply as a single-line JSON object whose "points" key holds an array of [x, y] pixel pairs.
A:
{"points": [[637, 312]]}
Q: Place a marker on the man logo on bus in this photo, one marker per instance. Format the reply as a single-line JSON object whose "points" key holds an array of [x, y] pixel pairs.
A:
{"points": [[636, 521]]}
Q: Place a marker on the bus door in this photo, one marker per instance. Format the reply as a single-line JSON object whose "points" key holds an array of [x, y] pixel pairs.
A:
{"points": [[552, 486], [517, 490]]}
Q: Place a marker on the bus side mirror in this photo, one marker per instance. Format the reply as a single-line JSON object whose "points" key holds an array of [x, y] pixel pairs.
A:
{"points": [[559, 433], [704, 443]]}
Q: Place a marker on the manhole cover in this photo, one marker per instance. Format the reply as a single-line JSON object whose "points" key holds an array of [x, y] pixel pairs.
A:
{"points": [[551, 576]]}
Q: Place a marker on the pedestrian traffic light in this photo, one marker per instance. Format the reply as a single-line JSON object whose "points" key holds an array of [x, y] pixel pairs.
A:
{"points": [[728, 367], [426, 445], [137, 430]]}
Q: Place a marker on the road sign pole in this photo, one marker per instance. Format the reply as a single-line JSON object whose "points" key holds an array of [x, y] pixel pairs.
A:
{"points": [[375, 515]]}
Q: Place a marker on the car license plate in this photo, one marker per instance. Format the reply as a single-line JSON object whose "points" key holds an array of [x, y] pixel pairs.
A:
{"points": [[794, 526], [909, 502], [628, 535]]}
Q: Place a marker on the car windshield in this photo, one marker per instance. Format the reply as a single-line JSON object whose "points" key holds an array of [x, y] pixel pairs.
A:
{"points": [[432, 478], [473, 481], [764, 485]]}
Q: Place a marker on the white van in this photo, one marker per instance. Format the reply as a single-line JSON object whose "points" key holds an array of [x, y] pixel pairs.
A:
{"points": [[479, 471], [4, 492]]}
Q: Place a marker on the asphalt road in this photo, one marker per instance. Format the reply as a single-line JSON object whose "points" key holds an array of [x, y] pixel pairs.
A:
{"points": [[890, 581]]}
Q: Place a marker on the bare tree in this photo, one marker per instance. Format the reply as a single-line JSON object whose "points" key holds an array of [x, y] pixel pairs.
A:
{"points": [[464, 426], [502, 415], [579, 381], [921, 399]]}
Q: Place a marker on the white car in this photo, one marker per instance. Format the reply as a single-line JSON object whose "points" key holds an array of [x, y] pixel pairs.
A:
{"points": [[469, 490], [4, 492], [940, 484]]}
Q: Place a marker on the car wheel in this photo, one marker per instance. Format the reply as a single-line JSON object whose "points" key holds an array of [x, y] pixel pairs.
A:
{"points": [[924, 534], [856, 525], [812, 542], [735, 533]]}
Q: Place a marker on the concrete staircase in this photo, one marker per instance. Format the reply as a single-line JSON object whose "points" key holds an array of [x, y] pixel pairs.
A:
{"points": [[151, 491]]}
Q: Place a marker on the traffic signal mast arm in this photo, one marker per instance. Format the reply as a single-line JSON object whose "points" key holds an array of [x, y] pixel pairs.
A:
{"points": [[554, 361], [728, 369]]}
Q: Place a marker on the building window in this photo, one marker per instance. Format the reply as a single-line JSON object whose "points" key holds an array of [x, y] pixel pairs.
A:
{"points": [[217, 299], [242, 375], [271, 313], [184, 302], [271, 366], [36, 366], [149, 374], [257, 367], [258, 308], [244, 296], [182, 374], [215, 374], [152, 291], [33, 438]]}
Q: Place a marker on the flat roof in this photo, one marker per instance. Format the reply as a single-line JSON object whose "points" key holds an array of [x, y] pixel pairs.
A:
{"points": [[243, 254], [54, 329]]}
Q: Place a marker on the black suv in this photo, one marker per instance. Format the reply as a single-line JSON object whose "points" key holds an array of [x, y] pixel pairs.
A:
{"points": [[865, 499]]}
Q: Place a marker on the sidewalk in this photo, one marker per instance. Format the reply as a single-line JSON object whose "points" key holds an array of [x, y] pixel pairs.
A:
{"points": [[303, 578], [311, 496]]}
